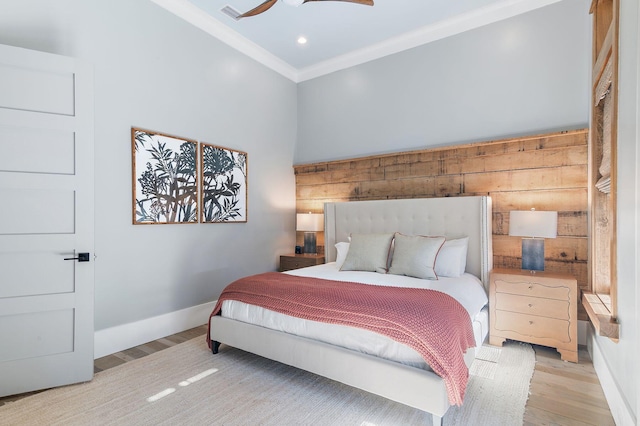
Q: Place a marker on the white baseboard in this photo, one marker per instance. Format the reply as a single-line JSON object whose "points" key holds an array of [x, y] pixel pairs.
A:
{"points": [[125, 336], [621, 413]]}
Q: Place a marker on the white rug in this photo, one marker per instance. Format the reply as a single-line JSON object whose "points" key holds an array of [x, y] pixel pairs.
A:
{"points": [[498, 389], [187, 385]]}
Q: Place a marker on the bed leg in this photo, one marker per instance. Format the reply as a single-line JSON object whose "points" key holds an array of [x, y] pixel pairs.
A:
{"points": [[215, 346], [436, 420]]}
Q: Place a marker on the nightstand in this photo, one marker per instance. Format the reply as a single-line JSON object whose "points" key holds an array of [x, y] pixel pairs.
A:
{"points": [[296, 261], [539, 308]]}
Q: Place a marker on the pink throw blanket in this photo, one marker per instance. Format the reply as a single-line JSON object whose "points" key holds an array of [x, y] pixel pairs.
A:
{"points": [[431, 322]]}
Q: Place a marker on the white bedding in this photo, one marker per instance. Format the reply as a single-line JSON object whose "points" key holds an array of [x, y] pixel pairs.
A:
{"points": [[468, 290]]}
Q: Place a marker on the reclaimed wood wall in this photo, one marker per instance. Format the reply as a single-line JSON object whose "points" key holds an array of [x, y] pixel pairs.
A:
{"points": [[545, 172]]}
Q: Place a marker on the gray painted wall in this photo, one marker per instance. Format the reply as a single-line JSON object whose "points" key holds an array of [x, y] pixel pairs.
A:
{"points": [[524, 75], [155, 71]]}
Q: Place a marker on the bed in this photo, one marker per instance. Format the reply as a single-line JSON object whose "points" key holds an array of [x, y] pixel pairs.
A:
{"points": [[406, 380]]}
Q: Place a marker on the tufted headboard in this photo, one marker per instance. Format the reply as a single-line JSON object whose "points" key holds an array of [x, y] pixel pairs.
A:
{"points": [[452, 217]]}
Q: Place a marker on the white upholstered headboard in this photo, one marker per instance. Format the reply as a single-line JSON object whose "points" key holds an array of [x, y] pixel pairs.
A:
{"points": [[452, 217]]}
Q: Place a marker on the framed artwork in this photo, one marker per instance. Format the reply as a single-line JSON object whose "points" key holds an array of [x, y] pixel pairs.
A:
{"points": [[165, 188], [224, 184]]}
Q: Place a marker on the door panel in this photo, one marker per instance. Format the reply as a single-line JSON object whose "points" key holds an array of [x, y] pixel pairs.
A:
{"points": [[46, 215], [37, 211], [27, 149], [22, 87], [37, 334], [50, 277]]}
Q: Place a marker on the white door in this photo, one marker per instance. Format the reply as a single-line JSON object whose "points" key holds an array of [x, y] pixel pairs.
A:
{"points": [[46, 216]]}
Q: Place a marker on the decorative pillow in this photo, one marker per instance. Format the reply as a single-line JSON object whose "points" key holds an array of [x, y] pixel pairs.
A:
{"points": [[415, 256], [368, 252], [343, 249], [452, 259]]}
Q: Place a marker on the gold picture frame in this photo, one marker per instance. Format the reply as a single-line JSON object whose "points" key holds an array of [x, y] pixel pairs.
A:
{"points": [[223, 184], [165, 186]]}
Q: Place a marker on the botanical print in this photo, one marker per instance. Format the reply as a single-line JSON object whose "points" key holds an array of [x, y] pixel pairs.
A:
{"points": [[224, 184], [164, 178]]}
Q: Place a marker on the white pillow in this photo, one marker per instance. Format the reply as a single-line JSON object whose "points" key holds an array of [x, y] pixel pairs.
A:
{"points": [[415, 256], [368, 252], [452, 259], [343, 249]]}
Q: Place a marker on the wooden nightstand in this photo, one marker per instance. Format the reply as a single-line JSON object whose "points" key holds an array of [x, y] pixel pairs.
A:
{"points": [[296, 261], [540, 308]]}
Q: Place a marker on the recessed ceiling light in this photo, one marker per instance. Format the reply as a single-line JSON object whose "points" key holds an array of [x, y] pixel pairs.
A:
{"points": [[302, 40]]}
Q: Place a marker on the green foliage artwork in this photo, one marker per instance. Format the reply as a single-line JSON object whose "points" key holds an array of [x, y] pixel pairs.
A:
{"points": [[224, 184], [164, 178]]}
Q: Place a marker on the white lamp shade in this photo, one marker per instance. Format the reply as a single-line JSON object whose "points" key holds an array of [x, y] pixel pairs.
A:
{"points": [[532, 223], [309, 222]]}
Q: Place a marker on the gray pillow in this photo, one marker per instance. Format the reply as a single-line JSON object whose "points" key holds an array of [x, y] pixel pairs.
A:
{"points": [[368, 252], [415, 256]]}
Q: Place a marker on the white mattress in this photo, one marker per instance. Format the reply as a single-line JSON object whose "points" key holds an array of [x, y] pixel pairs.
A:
{"points": [[468, 290]]}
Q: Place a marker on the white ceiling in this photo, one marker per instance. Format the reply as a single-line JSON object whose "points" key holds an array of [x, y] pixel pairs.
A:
{"points": [[340, 34]]}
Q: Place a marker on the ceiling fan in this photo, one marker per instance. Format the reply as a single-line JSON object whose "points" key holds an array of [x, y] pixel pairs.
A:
{"points": [[267, 5]]}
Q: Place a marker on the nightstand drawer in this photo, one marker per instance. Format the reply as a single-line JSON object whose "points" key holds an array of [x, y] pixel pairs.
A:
{"points": [[297, 261], [551, 308], [531, 288], [532, 328], [288, 263]]}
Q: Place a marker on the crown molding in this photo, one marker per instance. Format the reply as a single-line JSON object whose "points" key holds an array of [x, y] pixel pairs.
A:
{"points": [[197, 17]]}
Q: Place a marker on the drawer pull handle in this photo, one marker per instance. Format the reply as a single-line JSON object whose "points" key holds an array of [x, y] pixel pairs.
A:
{"points": [[530, 305], [530, 322], [530, 286]]}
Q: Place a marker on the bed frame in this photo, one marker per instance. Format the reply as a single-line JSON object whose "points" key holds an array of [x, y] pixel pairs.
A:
{"points": [[421, 389]]}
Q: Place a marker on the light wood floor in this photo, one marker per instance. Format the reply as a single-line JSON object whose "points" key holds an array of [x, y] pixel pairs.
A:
{"points": [[565, 393], [562, 393]]}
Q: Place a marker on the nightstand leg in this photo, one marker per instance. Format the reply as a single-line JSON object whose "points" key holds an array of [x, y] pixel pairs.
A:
{"points": [[566, 355], [496, 341]]}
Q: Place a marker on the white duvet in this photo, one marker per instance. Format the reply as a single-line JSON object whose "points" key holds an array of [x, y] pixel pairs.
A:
{"points": [[467, 290]]}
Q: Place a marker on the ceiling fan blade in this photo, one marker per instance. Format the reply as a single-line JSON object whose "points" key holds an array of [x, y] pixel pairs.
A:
{"points": [[365, 2], [257, 10]]}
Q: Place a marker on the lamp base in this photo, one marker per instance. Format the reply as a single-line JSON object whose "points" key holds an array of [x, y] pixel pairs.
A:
{"points": [[533, 254], [310, 243]]}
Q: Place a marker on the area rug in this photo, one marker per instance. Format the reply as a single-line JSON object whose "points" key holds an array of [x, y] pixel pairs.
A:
{"points": [[186, 384]]}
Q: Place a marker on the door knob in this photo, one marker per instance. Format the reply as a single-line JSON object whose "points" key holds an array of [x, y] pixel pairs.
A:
{"points": [[82, 257]]}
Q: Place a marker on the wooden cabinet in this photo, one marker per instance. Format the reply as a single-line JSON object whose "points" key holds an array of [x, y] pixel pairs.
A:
{"points": [[540, 308], [296, 261]]}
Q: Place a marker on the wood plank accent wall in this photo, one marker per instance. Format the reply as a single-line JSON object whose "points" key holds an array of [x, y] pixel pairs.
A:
{"points": [[546, 172]]}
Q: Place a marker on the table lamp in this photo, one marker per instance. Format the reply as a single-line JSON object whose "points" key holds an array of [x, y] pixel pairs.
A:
{"points": [[309, 223], [534, 226]]}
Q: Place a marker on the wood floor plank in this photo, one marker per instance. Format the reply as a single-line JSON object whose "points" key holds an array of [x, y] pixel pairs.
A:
{"points": [[107, 362], [580, 372], [540, 417], [565, 384], [543, 389], [168, 341], [577, 412], [135, 353]]}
